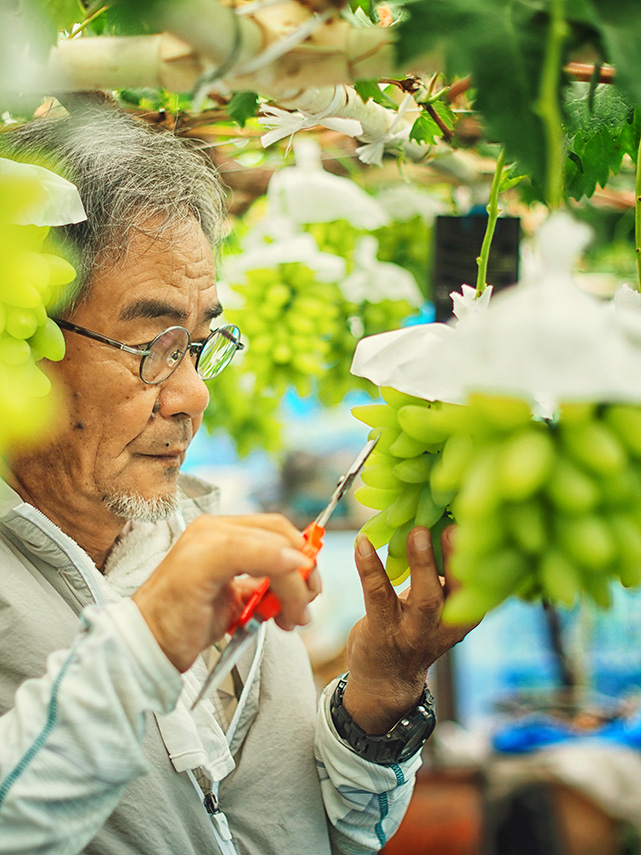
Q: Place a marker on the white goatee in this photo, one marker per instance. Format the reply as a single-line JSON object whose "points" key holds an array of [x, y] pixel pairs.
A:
{"points": [[138, 509]]}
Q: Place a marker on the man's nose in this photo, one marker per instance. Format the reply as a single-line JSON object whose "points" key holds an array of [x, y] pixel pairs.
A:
{"points": [[184, 392]]}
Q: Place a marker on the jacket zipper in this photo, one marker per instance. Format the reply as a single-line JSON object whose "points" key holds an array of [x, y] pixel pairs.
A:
{"points": [[219, 824]]}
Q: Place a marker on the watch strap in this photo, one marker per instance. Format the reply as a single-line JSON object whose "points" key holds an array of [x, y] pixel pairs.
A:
{"points": [[400, 742]]}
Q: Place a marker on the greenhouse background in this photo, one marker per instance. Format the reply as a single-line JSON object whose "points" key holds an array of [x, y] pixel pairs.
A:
{"points": [[392, 170]]}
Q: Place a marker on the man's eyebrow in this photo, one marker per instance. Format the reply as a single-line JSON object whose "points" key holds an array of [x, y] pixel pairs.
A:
{"points": [[152, 309], [212, 312]]}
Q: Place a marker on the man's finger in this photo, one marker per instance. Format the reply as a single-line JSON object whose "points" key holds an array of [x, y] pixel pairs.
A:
{"points": [[426, 590], [294, 596], [215, 550], [271, 522], [378, 593], [314, 583]]}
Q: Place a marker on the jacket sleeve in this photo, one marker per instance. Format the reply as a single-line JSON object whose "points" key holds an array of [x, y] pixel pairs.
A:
{"points": [[72, 742], [365, 802]]}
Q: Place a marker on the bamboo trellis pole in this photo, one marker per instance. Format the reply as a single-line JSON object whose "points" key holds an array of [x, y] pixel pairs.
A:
{"points": [[209, 38]]}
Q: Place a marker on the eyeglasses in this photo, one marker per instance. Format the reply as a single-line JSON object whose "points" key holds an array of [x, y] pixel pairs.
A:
{"points": [[162, 356]]}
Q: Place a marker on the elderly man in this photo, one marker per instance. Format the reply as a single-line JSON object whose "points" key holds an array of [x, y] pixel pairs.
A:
{"points": [[118, 580]]}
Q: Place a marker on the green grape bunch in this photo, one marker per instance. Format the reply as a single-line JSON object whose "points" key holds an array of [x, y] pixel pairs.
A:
{"points": [[248, 414], [338, 237], [396, 478], [355, 321], [545, 509], [31, 278], [367, 317], [289, 318], [406, 242]]}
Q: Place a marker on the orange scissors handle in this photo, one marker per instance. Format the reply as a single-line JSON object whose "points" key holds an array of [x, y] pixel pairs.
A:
{"points": [[263, 603]]}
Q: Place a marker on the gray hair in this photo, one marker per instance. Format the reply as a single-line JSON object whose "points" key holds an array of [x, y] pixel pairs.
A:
{"points": [[131, 177]]}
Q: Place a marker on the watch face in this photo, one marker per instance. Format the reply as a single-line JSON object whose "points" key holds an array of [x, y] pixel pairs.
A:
{"points": [[413, 744], [418, 732]]}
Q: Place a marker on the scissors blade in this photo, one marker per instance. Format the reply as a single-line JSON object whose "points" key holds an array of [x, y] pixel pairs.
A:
{"points": [[240, 641], [345, 482]]}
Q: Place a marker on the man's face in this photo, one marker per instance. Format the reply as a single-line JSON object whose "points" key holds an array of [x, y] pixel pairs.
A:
{"points": [[123, 438]]}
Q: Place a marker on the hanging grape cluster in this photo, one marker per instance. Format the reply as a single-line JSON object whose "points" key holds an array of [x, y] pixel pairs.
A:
{"points": [[546, 509], [365, 318], [406, 242], [30, 278], [355, 321], [288, 317], [301, 332], [338, 237]]}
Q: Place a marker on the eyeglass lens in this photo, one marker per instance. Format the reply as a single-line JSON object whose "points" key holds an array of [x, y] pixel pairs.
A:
{"points": [[167, 350], [218, 352], [165, 354]]}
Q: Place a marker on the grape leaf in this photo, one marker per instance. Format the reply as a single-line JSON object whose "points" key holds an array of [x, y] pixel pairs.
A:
{"points": [[64, 13], [425, 130], [242, 106], [630, 138], [596, 131], [620, 26], [500, 43], [122, 20], [370, 89], [135, 17], [511, 176], [367, 89], [445, 113], [367, 6]]}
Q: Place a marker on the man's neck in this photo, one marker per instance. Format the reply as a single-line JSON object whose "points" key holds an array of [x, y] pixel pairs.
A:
{"points": [[88, 522]]}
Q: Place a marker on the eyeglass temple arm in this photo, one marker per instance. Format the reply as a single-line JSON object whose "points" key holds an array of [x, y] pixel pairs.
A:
{"points": [[65, 325], [224, 331]]}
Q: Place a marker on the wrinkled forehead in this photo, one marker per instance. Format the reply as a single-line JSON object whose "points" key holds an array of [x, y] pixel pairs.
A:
{"points": [[156, 238], [171, 267]]}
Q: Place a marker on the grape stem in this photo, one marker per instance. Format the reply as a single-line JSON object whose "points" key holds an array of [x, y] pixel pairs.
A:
{"points": [[77, 29], [493, 212], [548, 107], [637, 215]]}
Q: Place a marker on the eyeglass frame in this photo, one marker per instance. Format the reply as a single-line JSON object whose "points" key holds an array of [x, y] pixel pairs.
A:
{"points": [[198, 346]]}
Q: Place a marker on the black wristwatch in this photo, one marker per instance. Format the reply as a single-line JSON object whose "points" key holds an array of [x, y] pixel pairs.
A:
{"points": [[399, 743]]}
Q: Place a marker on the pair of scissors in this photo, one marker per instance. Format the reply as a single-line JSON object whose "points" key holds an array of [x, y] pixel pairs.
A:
{"points": [[264, 604]]}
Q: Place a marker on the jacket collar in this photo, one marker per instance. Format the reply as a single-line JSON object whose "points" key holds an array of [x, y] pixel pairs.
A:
{"points": [[36, 534]]}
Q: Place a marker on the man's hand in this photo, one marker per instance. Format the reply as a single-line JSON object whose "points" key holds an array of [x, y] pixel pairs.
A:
{"points": [[391, 648], [193, 596]]}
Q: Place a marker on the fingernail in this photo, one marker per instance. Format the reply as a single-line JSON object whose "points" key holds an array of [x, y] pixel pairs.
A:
{"points": [[307, 617], [293, 558], [363, 546], [421, 540]]}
